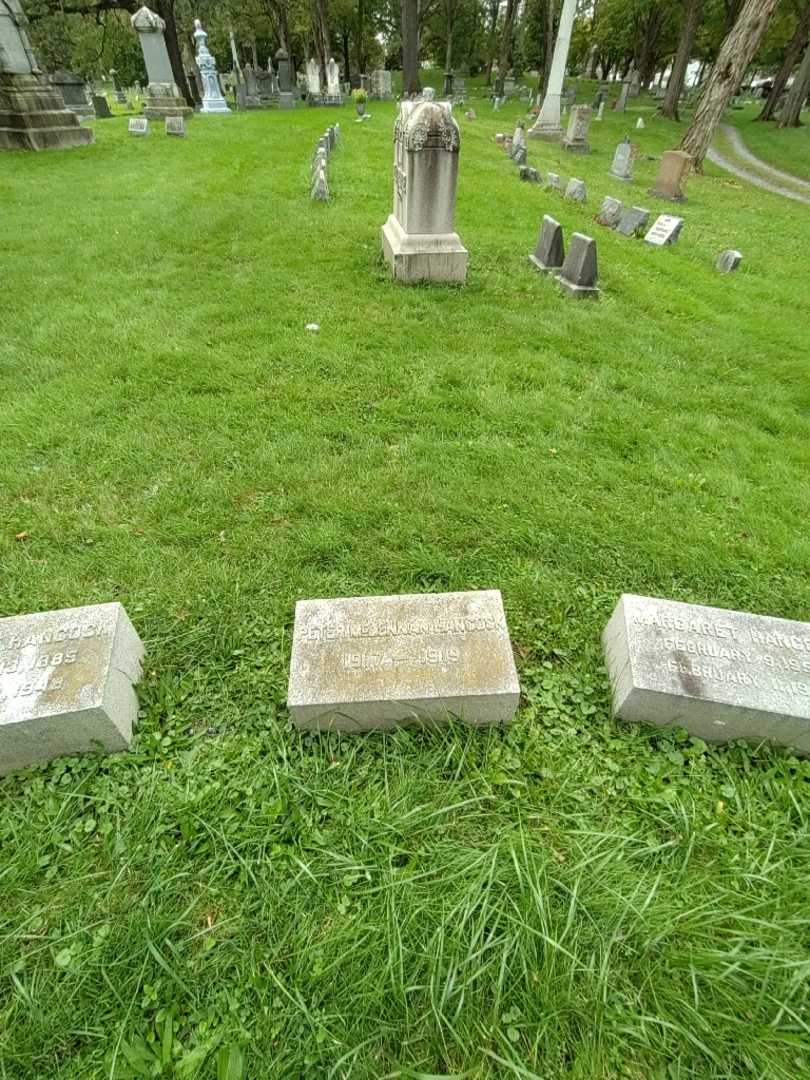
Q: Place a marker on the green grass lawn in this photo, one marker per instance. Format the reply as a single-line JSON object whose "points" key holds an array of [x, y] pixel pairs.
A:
{"points": [[571, 898], [787, 148]]}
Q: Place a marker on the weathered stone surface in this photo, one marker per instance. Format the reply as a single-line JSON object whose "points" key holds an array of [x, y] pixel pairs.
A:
{"points": [[101, 107], [549, 254], [720, 674], [633, 221], [578, 276], [529, 174], [138, 125], [163, 97], [728, 260], [66, 683], [576, 137], [610, 212], [640, 125], [622, 167], [576, 190], [175, 125], [375, 662], [419, 240], [212, 100], [665, 230], [73, 89], [554, 183], [672, 173]]}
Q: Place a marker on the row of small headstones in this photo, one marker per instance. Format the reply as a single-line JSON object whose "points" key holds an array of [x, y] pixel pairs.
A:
{"points": [[175, 125], [319, 181], [629, 221]]}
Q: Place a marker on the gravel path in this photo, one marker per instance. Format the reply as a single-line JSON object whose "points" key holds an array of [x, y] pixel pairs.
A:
{"points": [[758, 181], [742, 151]]}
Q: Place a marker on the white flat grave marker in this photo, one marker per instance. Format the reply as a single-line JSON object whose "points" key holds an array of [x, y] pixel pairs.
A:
{"points": [[375, 662], [66, 683], [665, 230], [138, 125], [175, 125], [720, 674]]}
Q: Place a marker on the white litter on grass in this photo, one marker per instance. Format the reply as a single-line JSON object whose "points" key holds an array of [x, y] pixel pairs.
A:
{"points": [[313, 326]]}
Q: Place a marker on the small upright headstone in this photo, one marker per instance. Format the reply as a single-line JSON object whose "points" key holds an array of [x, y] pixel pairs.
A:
{"points": [[728, 260], [66, 683], [640, 125], [554, 183], [622, 167], [313, 82], [138, 125], [576, 137], [529, 174], [578, 276], [610, 212], [576, 190], [320, 185], [175, 125], [549, 254], [101, 107], [720, 674], [518, 149], [633, 221], [620, 104], [674, 169], [600, 115], [665, 230], [375, 662]]}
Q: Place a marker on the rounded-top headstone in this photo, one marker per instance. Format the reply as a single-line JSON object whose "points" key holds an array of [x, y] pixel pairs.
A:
{"points": [[144, 20]]}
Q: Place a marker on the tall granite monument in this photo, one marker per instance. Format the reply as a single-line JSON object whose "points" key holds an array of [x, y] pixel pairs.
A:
{"points": [[419, 240], [163, 97], [32, 110]]}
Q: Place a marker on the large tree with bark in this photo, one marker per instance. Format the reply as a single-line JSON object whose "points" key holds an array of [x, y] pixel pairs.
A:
{"points": [[411, 82], [790, 114], [693, 13], [735, 55], [793, 50]]}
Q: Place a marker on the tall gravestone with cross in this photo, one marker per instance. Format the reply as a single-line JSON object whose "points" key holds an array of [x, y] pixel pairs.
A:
{"points": [[32, 110], [419, 240], [163, 97]]}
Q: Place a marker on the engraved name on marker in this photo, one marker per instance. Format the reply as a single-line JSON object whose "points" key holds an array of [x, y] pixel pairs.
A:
{"points": [[374, 662], [66, 683], [720, 674]]}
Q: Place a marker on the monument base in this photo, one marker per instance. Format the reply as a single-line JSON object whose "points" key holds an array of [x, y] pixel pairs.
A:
{"points": [[575, 147], [544, 268], [617, 176], [668, 195], [165, 99], [578, 292], [214, 105], [418, 257], [549, 132], [286, 101], [33, 116], [333, 99]]}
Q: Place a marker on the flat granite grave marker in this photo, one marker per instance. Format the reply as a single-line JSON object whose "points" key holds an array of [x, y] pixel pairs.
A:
{"points": [[549, 254], [175, 125], [633, 220], [138, 125], [375, 662], [720, 674], [728, 260], [665, 230], [66, 683]]}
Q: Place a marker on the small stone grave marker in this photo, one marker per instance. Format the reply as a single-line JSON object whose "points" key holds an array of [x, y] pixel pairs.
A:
{"points": [[529, 174], [633, 221], [640, 125], [672, 173], [554, 183], [138, 125], [610, 212], [549, 254], [622, 167], [576, 190], [576, 137], [66, 683], [728, 260], [101, 107], [175, 125], [376, 662], [665, 230], [578, 276], [720, 674]]}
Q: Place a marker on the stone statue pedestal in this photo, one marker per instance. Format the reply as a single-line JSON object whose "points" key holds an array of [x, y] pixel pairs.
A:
{"points": [[419, 241], [33, 115]]}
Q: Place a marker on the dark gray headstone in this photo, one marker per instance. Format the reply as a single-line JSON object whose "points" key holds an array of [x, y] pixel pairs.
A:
{"points": [[633, 221], [550, 251], [578, 276], [102, 109], [529, 174]]}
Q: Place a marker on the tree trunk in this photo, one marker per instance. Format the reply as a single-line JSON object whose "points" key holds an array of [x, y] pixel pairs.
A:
{"points": [[494, 8], [505, 56], [790, 113], [361, 25], [320, 34], [732, 10], [691, 21], [165, 9], [450, 11], [793, 51], [648, 54], [344, 37], [735, 55], [277, 10], [411, 82]]}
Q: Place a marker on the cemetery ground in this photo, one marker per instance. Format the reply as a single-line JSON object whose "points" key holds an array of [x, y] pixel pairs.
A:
{"points": [[570, 897]]}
